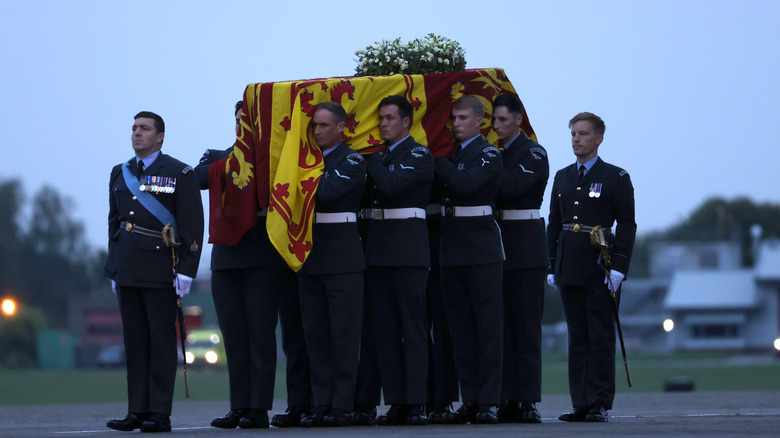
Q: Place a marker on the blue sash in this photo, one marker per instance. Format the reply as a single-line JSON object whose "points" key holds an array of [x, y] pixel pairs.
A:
{"points": [[147, 200]]}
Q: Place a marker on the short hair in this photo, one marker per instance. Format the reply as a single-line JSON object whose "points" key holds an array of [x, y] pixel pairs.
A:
{"points": [[159, 124], [472, 102], [334, 108], [405, 108], [595, 121], [511, 102], [239, 105]]}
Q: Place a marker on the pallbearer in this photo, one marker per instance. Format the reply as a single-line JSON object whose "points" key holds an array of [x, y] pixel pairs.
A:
{"points": [[523, 180], [398, 259]]}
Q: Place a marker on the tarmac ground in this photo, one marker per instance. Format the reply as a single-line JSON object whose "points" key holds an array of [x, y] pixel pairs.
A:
{"points": [[711, 414]]}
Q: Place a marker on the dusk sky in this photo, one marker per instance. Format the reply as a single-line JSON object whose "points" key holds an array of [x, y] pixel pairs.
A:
{"points": [[686, 88]]}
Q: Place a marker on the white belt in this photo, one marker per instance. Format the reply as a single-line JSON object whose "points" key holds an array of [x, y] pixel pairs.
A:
{"points": [[458, 211], [263, 211], [519, 215], [393, 213], [335, 218]]}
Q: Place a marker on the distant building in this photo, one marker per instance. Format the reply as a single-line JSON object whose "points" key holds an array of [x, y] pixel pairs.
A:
{"points": [[717, 305], [701, 287]]}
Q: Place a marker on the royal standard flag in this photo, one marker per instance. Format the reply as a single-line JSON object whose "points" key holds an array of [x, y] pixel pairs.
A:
{"points": [[276, 164]]}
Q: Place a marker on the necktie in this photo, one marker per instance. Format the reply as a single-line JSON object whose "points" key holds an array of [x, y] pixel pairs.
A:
{"points": [[140, 168], [582, 173], [458, 149]]}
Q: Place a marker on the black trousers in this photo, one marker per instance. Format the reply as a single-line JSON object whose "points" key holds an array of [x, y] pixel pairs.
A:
{"points": [[294, 343], [521, 378], [442, 377], [246, 301], [398, 298], [332, 309], [472, 300], [590, 319], [368, 391], [149, 327]]}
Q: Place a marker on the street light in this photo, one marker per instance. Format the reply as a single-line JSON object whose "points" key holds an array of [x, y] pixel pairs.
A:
{"points": [[9, 307]]}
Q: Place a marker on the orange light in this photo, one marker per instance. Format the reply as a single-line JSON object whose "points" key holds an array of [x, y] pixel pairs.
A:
{"points": [[9, 307]]}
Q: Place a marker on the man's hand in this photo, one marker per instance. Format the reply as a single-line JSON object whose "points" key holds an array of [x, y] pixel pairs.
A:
{"points": [[613, 280], [551, 280], [113, 286], [182, 283]]}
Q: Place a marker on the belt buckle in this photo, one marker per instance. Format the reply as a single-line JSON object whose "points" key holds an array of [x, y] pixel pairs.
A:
{"points": [[576, 228], [128, 227], [449, 211], [378, 213]]}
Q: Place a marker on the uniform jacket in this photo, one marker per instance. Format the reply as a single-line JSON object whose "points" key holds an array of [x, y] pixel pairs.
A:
{"points": [[523, 180], [255, 248], [573, 259], [471, 178], [400, 178], [142, 261], [336, 248]]}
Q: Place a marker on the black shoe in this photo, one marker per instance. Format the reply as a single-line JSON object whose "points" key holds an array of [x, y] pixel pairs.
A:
{"points": [[315, 417], [394, 416], [364, 415], [438, 412], [575, 416], [529, 413], [157, 423], [509, 412], [488, 414], [230, 420], [597, 414], [291, 418], [467, 412], [338, 418], [416, 416], [129, 423], [254, 419]]}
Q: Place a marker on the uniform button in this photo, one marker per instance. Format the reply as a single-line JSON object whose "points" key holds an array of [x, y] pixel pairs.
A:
{"points": [[575, 218], [579, 188], [576, 202], [134, 198], [376, 202], [157, 247], [132, 213]]}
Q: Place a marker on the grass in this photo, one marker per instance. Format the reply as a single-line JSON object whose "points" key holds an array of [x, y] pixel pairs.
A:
{"points": [[708, 371]]}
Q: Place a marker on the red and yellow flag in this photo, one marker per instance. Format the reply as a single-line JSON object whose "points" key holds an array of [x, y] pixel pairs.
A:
{"points": [[276, 164]]}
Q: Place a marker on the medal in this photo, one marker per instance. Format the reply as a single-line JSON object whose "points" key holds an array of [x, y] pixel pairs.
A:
{"points": [[595, 190]]}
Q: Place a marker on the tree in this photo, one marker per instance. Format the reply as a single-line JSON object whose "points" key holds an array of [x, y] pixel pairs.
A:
{"points": [[720, 219], [11, 200], [49, 260]]}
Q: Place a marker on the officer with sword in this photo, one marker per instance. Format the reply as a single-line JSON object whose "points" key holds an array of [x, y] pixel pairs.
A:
{"points": [[586, 196]]}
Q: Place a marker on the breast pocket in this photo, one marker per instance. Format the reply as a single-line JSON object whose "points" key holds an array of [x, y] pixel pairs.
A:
{"points": [[121, 197]]}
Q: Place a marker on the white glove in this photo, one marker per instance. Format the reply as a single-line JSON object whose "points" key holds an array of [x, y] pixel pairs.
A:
{"points": [[182, 283], [613, 280], [551, 280], [113, 286]]}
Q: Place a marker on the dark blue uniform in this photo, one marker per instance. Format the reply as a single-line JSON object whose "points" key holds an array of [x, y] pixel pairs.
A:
{"points": [[141, 266], [249, 282], [604, 197], [523, 181], [331, 282], [471, 258], [398, 259]]}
